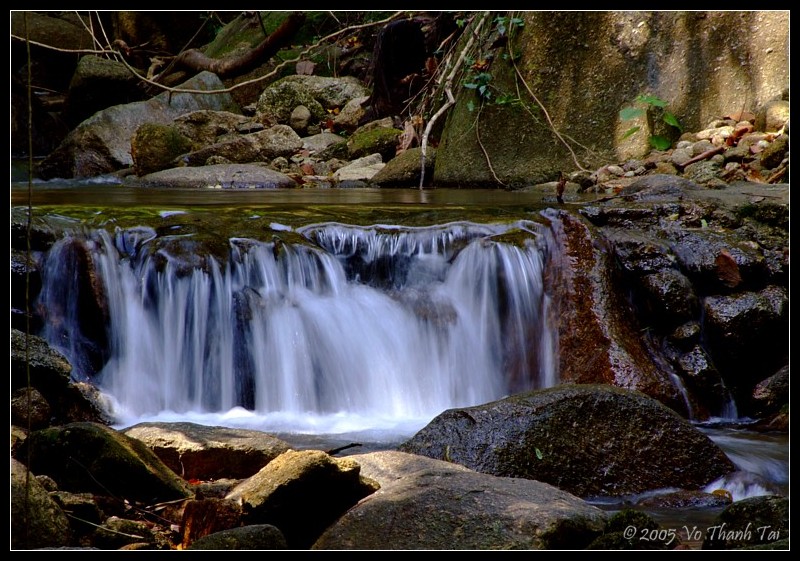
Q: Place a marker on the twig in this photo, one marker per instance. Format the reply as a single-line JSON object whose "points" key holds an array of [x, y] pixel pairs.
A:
{"points": [[483, 149], [335, 451], [448, 85], [700, 157], [271, 74], [780, 172], [546, 114]]}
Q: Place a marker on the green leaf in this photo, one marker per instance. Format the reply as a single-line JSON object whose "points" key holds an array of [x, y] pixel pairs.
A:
{"points": [[629, 132], [660, 142], [471, 86], [539, 454], [471, 106], [703, 223], [672, 120], [652, 100], [628, 113]]}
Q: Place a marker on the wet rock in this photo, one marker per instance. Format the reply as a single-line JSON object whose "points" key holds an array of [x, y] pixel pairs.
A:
{"points": [[772, 393], [709, 258], [658, 187], [646, 534], [669, 296], [590, 440], [747, 335], [750, 522], [681, 500]]}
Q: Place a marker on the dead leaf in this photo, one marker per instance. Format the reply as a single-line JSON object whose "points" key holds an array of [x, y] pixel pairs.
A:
{"points": [[304, 67], [727, 269], [480, 65], [741, 115], [409, 137]]}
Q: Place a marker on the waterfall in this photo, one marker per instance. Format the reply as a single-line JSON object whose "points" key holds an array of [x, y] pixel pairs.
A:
{"points": [[378, 322]]}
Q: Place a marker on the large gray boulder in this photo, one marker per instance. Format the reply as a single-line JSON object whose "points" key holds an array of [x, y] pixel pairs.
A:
{"points": [[433, 504], [589, 440], [102, 143]]}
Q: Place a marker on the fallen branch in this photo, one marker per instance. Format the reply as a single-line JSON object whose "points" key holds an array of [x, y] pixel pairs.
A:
{"points": [[335, 451], [778, 174], [227, 67], [700, 157], [448, 90]]}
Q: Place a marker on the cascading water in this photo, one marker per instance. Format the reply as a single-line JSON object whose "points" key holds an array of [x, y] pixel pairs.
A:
{"points": [[347, 328]]}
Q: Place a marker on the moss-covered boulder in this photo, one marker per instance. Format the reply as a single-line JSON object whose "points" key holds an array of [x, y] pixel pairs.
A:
{"points": [[155, 146], [379, 140], [36, 519], [750, 522], [90, 457]]}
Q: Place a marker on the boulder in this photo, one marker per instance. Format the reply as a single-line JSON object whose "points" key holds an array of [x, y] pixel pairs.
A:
{"points": [[589, 440]]}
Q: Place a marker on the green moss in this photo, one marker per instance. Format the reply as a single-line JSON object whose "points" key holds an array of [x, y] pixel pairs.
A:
{"points": [[380, 140]]}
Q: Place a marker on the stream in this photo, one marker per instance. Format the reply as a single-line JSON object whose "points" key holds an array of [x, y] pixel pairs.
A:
{"points": [[344, 313]]}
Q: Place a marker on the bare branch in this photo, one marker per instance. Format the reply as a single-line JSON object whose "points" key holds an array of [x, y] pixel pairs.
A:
{"points": [[226, 67], [267, 76]]}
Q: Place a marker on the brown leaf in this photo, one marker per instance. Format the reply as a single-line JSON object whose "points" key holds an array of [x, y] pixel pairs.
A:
{"points": [[741, 115], [409, 137], [727, 269], [304, 67]]}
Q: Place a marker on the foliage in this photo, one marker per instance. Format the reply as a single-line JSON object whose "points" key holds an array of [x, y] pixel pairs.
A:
{"points": [[478, 77], [650, 105]]}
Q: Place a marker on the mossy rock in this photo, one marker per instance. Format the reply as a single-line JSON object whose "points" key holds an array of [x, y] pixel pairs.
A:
{"points": [[155, 146], [380, 140]]}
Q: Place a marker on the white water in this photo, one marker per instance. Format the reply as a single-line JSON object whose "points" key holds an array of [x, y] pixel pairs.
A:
{"points": [[373, 329]]}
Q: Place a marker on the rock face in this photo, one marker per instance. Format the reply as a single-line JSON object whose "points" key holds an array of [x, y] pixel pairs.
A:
{"points": [[432, 504], [589, 440], [586, 66]]}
